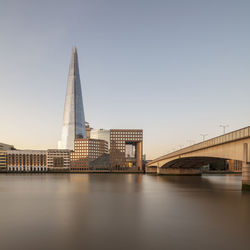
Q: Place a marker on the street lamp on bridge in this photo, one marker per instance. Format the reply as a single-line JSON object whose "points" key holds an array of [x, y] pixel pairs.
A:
{"points": [[203, 136], [224, 128]]}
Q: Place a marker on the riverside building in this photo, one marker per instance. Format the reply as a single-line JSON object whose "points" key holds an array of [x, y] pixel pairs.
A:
{"points": [[26, 161], [86, 151], [3, 160], [101, 134], [36, 160], [126, 149], [58, 160]]}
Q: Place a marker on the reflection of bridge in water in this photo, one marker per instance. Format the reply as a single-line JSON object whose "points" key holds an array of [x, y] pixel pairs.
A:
{"points": [[187, 161]]}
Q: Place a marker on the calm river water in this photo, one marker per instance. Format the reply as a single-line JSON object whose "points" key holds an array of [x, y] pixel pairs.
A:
{"points": [[123, 211]]}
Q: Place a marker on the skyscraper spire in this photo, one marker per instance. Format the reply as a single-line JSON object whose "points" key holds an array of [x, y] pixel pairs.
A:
{"points": [[73, 119]]}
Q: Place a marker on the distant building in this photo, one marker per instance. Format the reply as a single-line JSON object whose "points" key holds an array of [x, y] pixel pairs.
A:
{"points": [[35, 160], [3, 160], [101, 134], [58, 159], [4, 146], [26, 160], [88, 130], [126, 148], [86, 151], [234, 166]]}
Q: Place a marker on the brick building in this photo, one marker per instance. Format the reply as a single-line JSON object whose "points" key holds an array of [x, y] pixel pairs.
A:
{"points": [[126, 148], [86, 151]]}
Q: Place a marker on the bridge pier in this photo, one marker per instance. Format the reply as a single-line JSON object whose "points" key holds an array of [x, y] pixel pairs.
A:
{"points": [[245, 176], [151, 170], [245, 169], [178, 171]]}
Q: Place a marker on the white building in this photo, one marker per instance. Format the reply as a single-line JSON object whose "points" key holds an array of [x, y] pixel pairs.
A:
{"points": [[101, 134]]}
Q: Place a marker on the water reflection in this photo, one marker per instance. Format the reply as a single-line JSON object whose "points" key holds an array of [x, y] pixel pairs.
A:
{"points": [[116, 211]]}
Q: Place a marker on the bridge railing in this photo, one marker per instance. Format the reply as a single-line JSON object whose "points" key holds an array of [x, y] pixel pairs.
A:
{"points": [[232, 136]]}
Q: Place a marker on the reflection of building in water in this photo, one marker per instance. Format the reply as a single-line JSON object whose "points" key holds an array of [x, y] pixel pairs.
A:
{"points": [[126, 148], [234, 166], [86, 152]]}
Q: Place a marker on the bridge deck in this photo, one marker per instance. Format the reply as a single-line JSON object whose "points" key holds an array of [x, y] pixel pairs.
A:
{"points": [[229, 137]]}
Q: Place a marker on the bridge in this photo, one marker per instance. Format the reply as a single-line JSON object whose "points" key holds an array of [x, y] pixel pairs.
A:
{"points": [[187, 161]]}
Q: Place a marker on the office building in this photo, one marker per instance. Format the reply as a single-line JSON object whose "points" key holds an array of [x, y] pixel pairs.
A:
{"points": [[73, 120], [58, 160], [101, 134], [86, 151], [3, 160], [126, 148], [26, 160], [35, 160]]}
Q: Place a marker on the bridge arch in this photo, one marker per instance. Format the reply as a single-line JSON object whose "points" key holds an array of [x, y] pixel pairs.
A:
{"points": [[191, 162]]}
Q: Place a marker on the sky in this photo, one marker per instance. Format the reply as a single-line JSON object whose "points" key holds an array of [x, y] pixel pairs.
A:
{"points": [[174, 68]]}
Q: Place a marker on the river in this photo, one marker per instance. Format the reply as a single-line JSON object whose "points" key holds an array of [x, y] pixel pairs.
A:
{"points": [[123, 211]]}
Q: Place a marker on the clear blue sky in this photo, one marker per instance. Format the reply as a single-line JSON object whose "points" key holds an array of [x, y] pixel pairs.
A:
{"points": [[173, 68]]}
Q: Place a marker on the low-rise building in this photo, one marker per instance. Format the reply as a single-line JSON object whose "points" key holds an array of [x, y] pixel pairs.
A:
{"points": [[3, 160], [58, 160], [35, 160], [26, 160]]}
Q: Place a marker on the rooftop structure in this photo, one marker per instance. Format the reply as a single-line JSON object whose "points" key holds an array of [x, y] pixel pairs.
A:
{"points": [[102, 134], [4, 146]]}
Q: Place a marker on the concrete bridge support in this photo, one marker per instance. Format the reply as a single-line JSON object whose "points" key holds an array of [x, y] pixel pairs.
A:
{"points": [[178, 171], [245, 176], [245, 170], [151, 170]]}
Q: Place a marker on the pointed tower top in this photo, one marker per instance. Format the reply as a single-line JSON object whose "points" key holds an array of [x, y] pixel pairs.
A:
{"points": [[74, 49]]}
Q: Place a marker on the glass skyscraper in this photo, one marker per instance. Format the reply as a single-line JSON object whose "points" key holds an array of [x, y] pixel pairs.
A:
{"points": [[73, 119]]}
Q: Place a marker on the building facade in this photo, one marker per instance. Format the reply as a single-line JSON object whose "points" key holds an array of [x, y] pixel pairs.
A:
{"points": [[26, 160], [101, 134], [35, 160], [58, 160], [86, 151], [234, 166], [3, 160], [73, 119], [126, 148]]}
